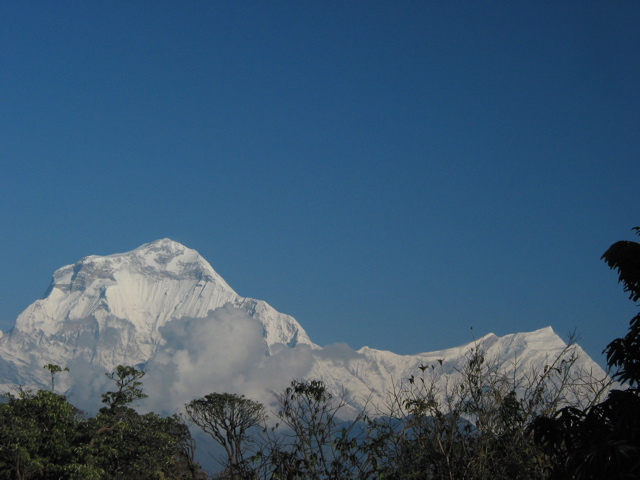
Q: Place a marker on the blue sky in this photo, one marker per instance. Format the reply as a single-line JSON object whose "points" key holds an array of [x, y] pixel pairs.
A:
{"points": [[402, 175]]}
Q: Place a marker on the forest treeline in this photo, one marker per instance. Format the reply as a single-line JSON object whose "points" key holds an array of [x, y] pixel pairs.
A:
{"points": [[485, 422]]}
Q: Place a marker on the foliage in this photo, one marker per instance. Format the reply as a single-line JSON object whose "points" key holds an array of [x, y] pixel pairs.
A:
{"points": [[477, 425], [127, 379], [125, 444], [43, 436], [227, 418], [38, 438], [315, 443], [603, 441], [53, 369], [623, 354]]}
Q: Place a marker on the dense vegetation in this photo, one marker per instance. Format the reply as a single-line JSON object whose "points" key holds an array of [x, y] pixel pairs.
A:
{"points": [[43, 436], [486, 422]]}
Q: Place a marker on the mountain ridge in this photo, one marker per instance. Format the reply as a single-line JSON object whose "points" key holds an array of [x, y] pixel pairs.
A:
{"points": [[163, 307]]}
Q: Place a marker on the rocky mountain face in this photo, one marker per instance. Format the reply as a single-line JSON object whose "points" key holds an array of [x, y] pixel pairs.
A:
{"points": [[163, 308]]}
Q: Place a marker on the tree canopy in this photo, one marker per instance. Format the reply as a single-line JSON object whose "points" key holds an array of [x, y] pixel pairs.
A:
{"points": [[43, 436]]}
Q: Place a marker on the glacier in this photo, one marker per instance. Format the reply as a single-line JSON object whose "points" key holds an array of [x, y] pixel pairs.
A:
{"points": [[163, 308]]}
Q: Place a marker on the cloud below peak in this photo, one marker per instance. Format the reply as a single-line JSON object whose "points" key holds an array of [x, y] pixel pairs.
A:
{"points": [[222, 352]]}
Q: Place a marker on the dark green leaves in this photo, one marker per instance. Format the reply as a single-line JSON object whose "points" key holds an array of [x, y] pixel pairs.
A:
{"points": [[43, 436]]}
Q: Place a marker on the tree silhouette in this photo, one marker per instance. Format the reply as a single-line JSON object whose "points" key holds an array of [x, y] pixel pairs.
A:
{"points": [[623, 354], [604, 441]]}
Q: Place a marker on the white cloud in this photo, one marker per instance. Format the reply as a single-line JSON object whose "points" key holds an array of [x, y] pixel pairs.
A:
{"points": [[223, 352]]}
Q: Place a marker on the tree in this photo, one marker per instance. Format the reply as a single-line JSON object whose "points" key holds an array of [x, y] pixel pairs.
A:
{"points": [[603, 441], [43, 436], [127, 379], [124, 444], [623, 354], [474, 422], [228, 418], [53, 369], [39, 438], [311, 441]]}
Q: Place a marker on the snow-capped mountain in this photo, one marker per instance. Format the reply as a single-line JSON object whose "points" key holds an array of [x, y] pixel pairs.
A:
{"points": [[164, 308], [110, 310]]}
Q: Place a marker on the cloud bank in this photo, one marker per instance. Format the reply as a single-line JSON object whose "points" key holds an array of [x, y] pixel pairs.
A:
{"points": [[222, 352]]}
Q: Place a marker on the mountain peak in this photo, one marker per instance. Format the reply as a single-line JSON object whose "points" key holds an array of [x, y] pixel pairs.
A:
{"points": [[160, 280], [129, 297], [163, 245], [161, 256]]}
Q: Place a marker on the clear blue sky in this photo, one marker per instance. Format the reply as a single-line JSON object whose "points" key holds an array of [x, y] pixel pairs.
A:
{"points": [[389, 173]]}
